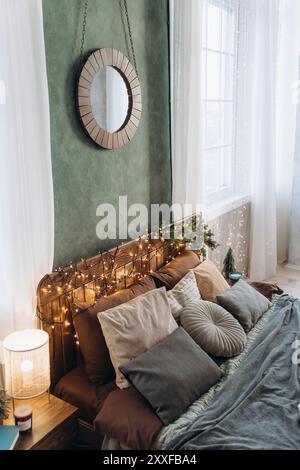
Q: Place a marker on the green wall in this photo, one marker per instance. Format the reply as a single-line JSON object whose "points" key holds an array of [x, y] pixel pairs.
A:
{"points": [[85, 175]]}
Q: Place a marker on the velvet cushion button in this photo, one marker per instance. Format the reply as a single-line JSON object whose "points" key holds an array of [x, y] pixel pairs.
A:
{"points": [[213, 328]]}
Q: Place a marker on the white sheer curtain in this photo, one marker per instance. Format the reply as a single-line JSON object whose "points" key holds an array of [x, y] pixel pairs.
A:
{"points": [[294, 247], [26, 191], [287, 96], [268, 52], [258, 40], [187, 173], [268, 56]]}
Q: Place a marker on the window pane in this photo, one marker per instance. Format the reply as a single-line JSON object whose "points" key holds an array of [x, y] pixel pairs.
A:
{"points": [[228, 31], [226, 163], [212, 171], [213, 121], [213, 75], [213, 27], [227, 77], [226, 124], [218, 96]]}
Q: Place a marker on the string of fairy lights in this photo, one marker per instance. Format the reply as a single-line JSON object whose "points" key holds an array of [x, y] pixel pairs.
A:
{"points": [[78, 286], [233, 231]]}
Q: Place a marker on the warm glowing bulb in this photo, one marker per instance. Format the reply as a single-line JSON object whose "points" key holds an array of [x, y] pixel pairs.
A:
{"points": [[26, 365]]}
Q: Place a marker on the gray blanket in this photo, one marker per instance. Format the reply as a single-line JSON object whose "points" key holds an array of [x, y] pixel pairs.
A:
{"points": [[258, 406]]}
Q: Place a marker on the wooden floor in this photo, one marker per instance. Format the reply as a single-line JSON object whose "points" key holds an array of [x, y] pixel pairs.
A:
{"points": [[288, 279]]}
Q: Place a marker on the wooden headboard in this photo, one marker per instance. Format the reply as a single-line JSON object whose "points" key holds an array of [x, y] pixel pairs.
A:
{"points": [[102, 275]]}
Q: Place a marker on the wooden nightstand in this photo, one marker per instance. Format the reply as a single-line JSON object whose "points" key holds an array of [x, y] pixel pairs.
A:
{"points": [[54, 425]]}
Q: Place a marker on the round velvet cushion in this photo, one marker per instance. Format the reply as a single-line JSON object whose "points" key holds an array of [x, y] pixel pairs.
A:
{"points": [[213, 328]]}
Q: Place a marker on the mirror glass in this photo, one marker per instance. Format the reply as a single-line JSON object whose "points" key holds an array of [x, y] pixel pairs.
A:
{"points": [[109, 99]]}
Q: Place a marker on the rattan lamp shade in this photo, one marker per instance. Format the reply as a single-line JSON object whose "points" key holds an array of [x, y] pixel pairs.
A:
{"points": [[27, 369]]}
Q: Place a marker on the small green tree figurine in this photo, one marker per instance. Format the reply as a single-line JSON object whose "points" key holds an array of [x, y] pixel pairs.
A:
{"points": [[228, 264], [4, 408]]}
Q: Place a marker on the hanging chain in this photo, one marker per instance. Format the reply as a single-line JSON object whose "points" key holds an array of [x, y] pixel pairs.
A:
{"points": [[130, 35], [85, 12]]}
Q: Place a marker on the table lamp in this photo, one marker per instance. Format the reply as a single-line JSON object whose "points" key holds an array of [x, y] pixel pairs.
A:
{"points": [[27, 368]]}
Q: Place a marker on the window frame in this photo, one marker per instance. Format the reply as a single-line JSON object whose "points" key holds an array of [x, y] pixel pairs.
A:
{"points": [[223, 191]]}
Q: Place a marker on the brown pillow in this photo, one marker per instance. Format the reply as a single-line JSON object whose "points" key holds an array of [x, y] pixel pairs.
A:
{"points": [[210, 281], [127, 417], [77, 389], [266, 289], [173, 272], [97, 363]]}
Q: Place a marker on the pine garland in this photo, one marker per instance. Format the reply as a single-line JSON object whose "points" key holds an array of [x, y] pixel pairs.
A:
{"points": [[4, 405], [196, 226]]}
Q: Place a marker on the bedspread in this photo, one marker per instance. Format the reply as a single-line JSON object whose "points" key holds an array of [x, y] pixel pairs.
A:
{"points": [[258, 406]]}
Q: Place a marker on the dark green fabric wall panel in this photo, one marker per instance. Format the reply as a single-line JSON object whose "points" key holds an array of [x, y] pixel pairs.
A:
{"points": [[84, 175]]}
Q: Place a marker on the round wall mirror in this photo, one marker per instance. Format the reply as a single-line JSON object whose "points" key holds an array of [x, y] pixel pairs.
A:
{"points": [[109, 98]]}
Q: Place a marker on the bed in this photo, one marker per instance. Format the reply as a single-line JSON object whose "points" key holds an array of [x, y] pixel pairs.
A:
{"points": [[255, 404], [123, 419]]}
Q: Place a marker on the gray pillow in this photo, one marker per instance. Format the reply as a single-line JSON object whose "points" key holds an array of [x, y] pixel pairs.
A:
{"points": [[246, 304], [172, 374], [213, 328]]}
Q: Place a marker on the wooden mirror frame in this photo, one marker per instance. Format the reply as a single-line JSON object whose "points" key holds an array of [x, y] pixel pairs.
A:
{"points": [[96, 61]]}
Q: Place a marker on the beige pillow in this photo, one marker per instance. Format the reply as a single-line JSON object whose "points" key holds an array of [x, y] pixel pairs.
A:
{"points": [[214, 329], [210, 281], [184, 292], [134, 327]]}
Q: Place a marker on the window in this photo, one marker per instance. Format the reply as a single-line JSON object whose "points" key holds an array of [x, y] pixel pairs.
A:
{"points": [[218, 95]]}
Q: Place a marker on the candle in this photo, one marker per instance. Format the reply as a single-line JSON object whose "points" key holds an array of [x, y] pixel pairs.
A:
{"points": [[235, 276], [23, 418]]}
